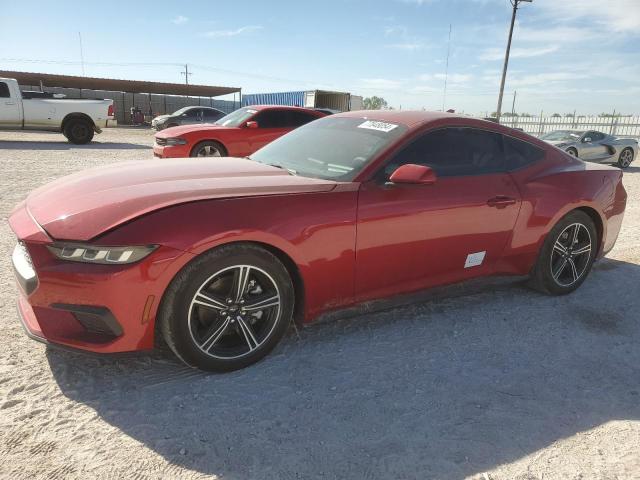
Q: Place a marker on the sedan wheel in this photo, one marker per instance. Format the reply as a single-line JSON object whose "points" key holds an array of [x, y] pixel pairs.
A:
{"points": [[573, 152], [228, 308], [571, 254], [208, 149], [625, 158], [567, 255], [234, 311]]}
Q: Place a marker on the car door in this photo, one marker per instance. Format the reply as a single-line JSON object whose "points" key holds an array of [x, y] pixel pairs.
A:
{"points": [[591, 146], [411, 237], [272, 124], [191, 117], [10, 116]]}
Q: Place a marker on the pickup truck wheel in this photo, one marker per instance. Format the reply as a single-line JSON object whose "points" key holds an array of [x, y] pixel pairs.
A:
{"points": [[78, 131]]}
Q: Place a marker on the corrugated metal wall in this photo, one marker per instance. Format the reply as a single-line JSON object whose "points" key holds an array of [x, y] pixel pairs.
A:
{"points": [[150, 104], [282, 98]]}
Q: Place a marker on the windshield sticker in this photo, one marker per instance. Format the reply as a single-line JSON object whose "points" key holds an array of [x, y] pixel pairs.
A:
{"points": [[380, 126]]}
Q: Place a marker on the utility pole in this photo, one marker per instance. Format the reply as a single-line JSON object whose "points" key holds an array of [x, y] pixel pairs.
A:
{"points": [[446, 70], [513, 105], [515, 4], [186, 74]]}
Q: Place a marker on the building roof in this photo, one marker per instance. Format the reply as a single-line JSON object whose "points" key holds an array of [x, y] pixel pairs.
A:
{"points": [[117, 85]]}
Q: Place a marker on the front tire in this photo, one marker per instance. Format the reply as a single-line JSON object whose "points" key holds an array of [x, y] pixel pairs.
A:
{"points": [[625, 158], [228, 308], [567, 255], [78, 131], [208, 148], [572, 151]]}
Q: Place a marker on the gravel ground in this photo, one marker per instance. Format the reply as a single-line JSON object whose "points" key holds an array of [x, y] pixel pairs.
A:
{"points": [[502, 383]]}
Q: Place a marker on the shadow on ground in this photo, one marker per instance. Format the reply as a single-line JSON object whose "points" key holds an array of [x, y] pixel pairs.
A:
{"points": [[64, 145], [443, 389]]}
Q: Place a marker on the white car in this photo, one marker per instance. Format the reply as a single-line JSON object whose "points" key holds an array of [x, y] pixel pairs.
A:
{"points": [[77, 119]]}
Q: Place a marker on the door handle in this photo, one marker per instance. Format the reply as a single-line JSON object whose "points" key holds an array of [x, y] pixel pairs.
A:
{"points": [[501, 201]]}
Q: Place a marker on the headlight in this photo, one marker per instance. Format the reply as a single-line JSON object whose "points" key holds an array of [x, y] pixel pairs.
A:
{"points": [[76, 252], [176, 141]]}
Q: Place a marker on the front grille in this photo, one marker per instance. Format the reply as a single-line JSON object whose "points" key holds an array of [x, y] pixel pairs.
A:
{"points": [[161, 141]]}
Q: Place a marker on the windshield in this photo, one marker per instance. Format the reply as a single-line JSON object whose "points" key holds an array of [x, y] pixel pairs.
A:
{"points": [[562, 135], [182, 110], [236, 118], [335, 148]]}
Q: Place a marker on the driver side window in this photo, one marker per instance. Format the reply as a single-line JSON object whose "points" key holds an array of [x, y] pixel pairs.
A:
{"points": [[453, 152]]}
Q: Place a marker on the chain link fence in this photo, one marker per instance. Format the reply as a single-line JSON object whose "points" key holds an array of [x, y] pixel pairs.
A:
{"points": [[617, 126]]}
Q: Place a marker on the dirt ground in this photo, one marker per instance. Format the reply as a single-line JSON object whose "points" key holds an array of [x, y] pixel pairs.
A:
{"points": [[503, 383]]}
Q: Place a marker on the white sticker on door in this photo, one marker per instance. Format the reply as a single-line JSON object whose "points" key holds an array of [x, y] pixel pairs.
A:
{"points": [[474, 259]]}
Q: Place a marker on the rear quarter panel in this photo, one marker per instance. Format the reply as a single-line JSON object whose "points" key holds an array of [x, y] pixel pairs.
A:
{"points": [[551, 190], [315, 230], [48, 113]]}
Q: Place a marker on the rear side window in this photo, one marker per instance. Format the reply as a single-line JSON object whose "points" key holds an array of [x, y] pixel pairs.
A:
{"points": [[296, 118], [212, 114], [4, 90], [194, 113], [454, 152], [272, 119], [519, 154]]}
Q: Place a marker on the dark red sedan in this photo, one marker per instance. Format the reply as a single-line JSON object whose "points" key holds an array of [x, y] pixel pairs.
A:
{"points": [[238, 134], [218, 256]]}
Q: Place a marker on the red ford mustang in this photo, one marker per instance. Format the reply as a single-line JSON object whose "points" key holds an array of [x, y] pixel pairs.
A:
{"points": [[238, 134], [219, 256]]}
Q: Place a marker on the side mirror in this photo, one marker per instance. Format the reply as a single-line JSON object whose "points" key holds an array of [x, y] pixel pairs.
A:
{"points": [[252, 124], [413, 174], [586, 139]]}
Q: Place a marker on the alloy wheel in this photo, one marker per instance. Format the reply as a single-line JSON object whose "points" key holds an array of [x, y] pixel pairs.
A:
{"points": [[208, 151], [234, 312], [571, 254], [626, 157]]}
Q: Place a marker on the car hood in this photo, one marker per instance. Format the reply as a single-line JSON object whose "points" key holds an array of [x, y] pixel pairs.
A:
{"points": [[160, 118], [86, 204], [185, 129]]}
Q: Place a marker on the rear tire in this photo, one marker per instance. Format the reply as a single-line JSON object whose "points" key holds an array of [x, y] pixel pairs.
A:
{"points": [[212, 323], [209, 148], [566, 256], [625, 158], [78, 131], [573, 152]]}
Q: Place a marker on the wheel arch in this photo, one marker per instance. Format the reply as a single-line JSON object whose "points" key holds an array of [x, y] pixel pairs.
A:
{"points": [[226, 150], [597, 220], [288, 262]]}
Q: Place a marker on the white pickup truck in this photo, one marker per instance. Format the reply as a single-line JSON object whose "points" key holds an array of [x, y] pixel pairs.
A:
{"points": [[77, 119]]}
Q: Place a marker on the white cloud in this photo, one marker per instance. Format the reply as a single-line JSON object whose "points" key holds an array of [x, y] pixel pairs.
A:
{"points": [[614, 15], [409, 46], [232, 33], [452, 78], [498, 53], [380, 83], [180, 20], [403, 40]]}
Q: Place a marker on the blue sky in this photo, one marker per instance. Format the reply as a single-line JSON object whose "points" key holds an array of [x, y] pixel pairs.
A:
{"points": [[567, 55]]}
